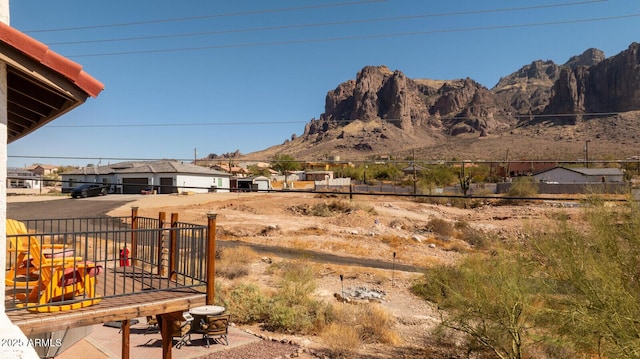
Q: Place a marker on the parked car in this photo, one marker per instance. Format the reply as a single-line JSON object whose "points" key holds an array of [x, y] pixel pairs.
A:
{"points": [[89, 190]]}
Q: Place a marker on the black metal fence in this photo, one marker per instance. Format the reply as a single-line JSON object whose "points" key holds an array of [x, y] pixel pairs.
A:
{"points": [[123, 255]]}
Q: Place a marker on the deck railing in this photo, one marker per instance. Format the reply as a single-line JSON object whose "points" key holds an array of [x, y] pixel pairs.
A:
{"points": [[129, 255]]}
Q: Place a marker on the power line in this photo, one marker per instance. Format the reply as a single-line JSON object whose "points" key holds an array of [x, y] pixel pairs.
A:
{"points": [[322, 24], [357, 37], [243, 13], [253, 123]]}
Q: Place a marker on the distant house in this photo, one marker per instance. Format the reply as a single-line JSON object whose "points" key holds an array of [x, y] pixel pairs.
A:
{"points": [[251, 184], [413, 169], [42, 170], [233, 170], [318, 175], [523, 168], [21, 178], [562, 175], [161, 176]]}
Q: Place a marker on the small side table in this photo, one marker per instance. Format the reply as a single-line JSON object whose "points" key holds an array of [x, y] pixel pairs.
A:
{"points": [[201, 313]]}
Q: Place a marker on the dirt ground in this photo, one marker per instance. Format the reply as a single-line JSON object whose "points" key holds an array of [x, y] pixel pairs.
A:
{"points": [[372, 228]]}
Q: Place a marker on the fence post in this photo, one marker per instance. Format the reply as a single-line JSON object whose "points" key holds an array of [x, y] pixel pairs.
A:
{"points": [[211, 258], [173, 246], [162, 217], [134, 235]]}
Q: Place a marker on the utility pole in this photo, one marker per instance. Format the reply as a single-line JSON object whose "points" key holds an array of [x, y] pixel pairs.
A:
{"points": [[586, 153], [195, 156], [413, 156]]}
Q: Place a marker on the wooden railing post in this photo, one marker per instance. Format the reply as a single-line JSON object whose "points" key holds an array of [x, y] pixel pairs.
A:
{"points": [[134, 235], [126, 330], [173, 246], [162, 217], [211, 258]]}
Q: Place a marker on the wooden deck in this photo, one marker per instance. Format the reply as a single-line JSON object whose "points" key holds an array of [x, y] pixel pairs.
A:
{"points": [[127, 292]]}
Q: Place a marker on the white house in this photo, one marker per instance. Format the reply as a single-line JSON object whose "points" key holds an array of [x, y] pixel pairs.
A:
{"points": [[19, 178], [161, 176], [562, 175]]}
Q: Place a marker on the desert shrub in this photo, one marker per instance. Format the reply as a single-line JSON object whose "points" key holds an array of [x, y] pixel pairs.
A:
{"points": [[247, 304], [523, 187], [475, 237], [376, 325], [440, 226], [342, 340], [234, 262], [392, 240], [293, 309], [331, 208], [372, 323]]}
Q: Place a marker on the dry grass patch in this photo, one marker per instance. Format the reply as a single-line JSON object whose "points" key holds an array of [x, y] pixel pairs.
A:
{"points": [[393, 241], [372, 323], [342, 340], [234, 262]]}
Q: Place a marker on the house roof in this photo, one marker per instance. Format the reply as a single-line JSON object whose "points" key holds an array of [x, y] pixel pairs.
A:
{"points": [[146, 167], [589, 171], [42, 85]]}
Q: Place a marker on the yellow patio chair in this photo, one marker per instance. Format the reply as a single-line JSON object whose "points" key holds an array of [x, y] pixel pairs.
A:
{"points": [[24, 272], [62, 285]]}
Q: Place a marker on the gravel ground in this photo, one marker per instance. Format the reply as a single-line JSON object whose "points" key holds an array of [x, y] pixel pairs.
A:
{"points": [[265, 349]]}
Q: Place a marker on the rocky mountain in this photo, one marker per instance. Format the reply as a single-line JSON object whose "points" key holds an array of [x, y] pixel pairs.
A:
{"points": [[385, 112]]}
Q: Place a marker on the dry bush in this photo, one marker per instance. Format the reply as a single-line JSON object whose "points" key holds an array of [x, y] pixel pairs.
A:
{"points": [[392, 240], [372, 323], [311, 231], [441, 227], [475, 238], [329, 209], [234, 262], [342, 340]]}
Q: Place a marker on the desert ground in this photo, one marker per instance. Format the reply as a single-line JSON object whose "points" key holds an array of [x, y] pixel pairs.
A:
{"points": [[368, 231]]}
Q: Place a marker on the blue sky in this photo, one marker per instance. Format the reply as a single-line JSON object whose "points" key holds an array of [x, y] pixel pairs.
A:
{"points": [[193, 76]]}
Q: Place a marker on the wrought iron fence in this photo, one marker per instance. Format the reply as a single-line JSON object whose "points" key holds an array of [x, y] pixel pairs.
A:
{"points": [[120, 255]]}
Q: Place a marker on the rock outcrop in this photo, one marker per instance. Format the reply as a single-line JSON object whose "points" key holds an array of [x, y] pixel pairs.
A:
{"points": [[383, 111], [611, 85]]}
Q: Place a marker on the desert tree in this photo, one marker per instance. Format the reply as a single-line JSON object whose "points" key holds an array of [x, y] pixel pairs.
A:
{"points": [[593, 276], [489, 299], [284, 163]]}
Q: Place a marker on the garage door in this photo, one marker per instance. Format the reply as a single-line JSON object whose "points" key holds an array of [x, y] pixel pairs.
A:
{"points": [[166, 185], [134, 185]]}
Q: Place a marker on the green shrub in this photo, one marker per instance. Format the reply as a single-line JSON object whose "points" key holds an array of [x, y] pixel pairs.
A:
{"points": [[523, 187], [293, 309], [247, 304]]}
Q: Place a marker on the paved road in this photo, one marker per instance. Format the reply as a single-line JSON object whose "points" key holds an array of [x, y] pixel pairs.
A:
{"points": [[66, 207], [99, 206]]}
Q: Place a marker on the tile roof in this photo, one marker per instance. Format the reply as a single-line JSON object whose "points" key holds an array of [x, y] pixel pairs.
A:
{"points": [[42, 54]]}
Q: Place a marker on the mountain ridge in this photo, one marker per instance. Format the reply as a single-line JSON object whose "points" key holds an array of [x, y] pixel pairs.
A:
{"points": [[543, 110]]}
